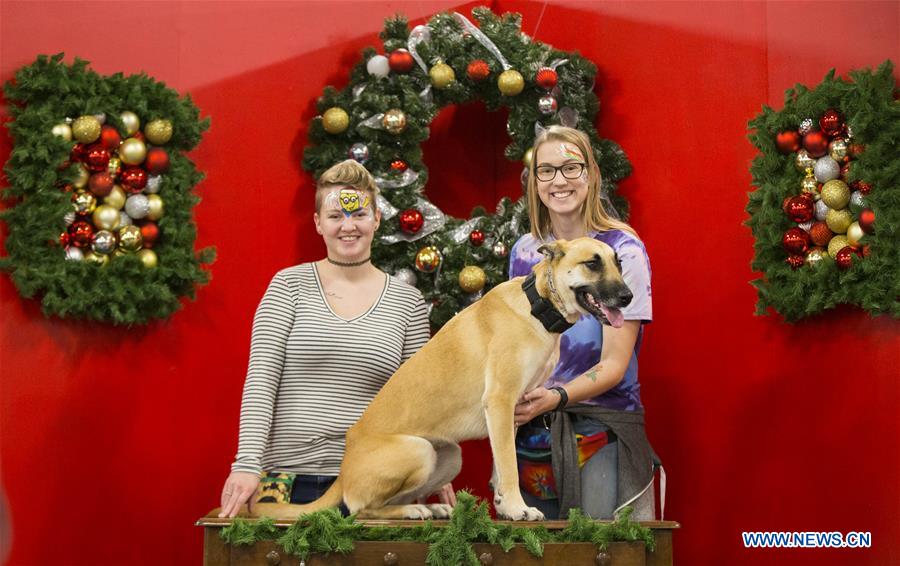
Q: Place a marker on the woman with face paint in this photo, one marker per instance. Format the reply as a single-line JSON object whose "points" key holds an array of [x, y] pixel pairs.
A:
{"points": [[327, 335], [581, 440]]}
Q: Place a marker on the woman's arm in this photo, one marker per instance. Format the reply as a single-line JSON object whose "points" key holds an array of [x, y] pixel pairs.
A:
{"points": [[618, 347]]}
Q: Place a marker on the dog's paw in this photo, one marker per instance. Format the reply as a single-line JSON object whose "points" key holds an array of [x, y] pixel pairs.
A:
{"points": [[417, 512], [522, 513], [440, 510]]}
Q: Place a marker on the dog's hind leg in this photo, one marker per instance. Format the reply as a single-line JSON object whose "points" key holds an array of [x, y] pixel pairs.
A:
{"points": [[449, 463], [384, 470]]}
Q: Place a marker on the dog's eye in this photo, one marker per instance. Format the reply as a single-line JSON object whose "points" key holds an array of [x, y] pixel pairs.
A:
{"points": [[594, 265]]}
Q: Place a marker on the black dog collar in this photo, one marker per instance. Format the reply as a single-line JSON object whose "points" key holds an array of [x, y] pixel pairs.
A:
{"points": [[542, 309]]}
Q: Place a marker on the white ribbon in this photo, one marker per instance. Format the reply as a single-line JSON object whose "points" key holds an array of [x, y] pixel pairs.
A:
{"points": [[482, 39]]}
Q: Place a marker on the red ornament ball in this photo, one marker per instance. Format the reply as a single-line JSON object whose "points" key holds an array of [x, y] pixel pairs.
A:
{"points": [[844, 258], [788, 141], [796, 241], [411, 221], [795, 260], [101, 184], [831, 123], [79, 150], [816, 144], [845, 170], [64, 239], [476, 237], [401, 61], [862, 186], [134, 179], [546, 78], [150, 233], [820, 234], [96, 158], [109, 137], [801, 208], [157, 161], [399, 165], [81, 233], [478, 70], [856, 149], [867, 220]]}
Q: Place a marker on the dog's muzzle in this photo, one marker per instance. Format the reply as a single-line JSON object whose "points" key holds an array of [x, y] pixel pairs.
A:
{"points": [[605, 304]]}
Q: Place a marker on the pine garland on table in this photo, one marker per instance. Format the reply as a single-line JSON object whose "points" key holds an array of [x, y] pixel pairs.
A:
{"points": [[101, 225], [826, 211], [381, 119]]}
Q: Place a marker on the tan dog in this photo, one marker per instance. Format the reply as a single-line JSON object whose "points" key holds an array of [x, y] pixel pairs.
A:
{"points": [[464, 384]]}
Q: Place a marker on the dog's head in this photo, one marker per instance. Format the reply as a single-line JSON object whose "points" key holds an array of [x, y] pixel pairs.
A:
{"points": [[587, 279]]}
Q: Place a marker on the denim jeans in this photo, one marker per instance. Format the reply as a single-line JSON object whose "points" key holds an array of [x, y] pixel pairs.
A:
{"points": [[308, 488]]}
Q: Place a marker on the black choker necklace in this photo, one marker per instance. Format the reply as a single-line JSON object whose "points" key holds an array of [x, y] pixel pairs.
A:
{"points": [[348, 263]]}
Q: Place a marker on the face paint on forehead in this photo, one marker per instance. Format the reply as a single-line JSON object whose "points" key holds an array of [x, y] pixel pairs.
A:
{"points": [[568, 152], [348, 200]]}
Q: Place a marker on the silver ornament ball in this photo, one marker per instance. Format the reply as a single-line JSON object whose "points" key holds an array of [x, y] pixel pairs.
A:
{"points": [[406, 275], [826, 169], [499, 249], [821, 210], [124, 219], [74, 254], [153, 184], [359, 152], [104, 242], [807, 125], [547, 105], [137, 206]]}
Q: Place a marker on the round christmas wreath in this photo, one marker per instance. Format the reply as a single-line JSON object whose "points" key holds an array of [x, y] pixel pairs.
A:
{"points": [[826, 211], [101, 227], [382, 117]]}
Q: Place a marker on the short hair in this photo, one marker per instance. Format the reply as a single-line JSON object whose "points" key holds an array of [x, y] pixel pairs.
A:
{"points": [[346, 173]]}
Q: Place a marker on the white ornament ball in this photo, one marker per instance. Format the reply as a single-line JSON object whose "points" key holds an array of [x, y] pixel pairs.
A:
{"points": [[826, 169], [406, 275], [378, 66], [137, 206], [153, 184], [124, 219], [821, 210], [806, 225], [74, 254]]}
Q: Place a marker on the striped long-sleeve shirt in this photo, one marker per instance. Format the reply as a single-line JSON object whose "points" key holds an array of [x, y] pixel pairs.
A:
{"points": [[312, 374]]}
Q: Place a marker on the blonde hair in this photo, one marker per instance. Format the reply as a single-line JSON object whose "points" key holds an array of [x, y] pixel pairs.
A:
{"points": [[593, 214], [346, 173]]}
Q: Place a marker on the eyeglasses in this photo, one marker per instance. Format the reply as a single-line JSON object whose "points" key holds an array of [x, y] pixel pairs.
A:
{"points": [[569, 171]]}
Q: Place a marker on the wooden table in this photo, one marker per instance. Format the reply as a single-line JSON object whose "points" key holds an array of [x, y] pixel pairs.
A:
{"points": [[395, 553]]}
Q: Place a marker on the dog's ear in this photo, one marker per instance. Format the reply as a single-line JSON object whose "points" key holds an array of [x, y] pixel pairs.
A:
{"points": [[552, 251]]}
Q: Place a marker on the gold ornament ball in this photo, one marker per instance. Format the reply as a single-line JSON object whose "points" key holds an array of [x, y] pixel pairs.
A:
{"points": [[428, 259], [815, 256], [106, 217], [838, 149], [838, 220], [132, 151], [130, 122], [82, 176], [130, 239], [836, 194], [472, 279], [335, 120], [148, 258], [115, 198], [158, 131], [99, 259], [528, 157], [394, 121], [84, 202], [115, 166], [442, 75], [157, 208], [809, 184], [855, 234], [86, 129], [803, 161], [510, 82], [836, 244], [62, 130]]}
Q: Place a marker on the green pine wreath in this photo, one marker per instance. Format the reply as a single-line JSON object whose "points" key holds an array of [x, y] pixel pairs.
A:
{"points": [[869, 106], [368, 97], [124, 291]]}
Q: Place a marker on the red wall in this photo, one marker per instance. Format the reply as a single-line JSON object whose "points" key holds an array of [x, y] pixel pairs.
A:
{"points": [[113, 441]]}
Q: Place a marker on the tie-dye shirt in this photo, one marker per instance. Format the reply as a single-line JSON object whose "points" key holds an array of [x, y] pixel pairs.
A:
{"points": [[580, 346]]}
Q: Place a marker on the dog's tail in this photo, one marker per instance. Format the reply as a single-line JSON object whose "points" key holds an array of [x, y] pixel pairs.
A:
{"points": [[332, 497]]}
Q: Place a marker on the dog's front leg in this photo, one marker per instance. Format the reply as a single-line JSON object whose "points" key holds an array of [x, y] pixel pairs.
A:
{"points": [[499, 407]]}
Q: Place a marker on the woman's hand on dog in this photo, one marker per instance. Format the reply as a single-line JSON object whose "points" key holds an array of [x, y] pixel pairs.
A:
{"points": [[239, 489], [535, 402]]}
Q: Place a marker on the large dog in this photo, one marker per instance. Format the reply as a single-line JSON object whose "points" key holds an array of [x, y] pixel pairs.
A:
{"points": [[464, 384]]}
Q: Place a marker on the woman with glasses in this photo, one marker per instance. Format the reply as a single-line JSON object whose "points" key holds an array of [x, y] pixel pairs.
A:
{"points": [[581, 440]]}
